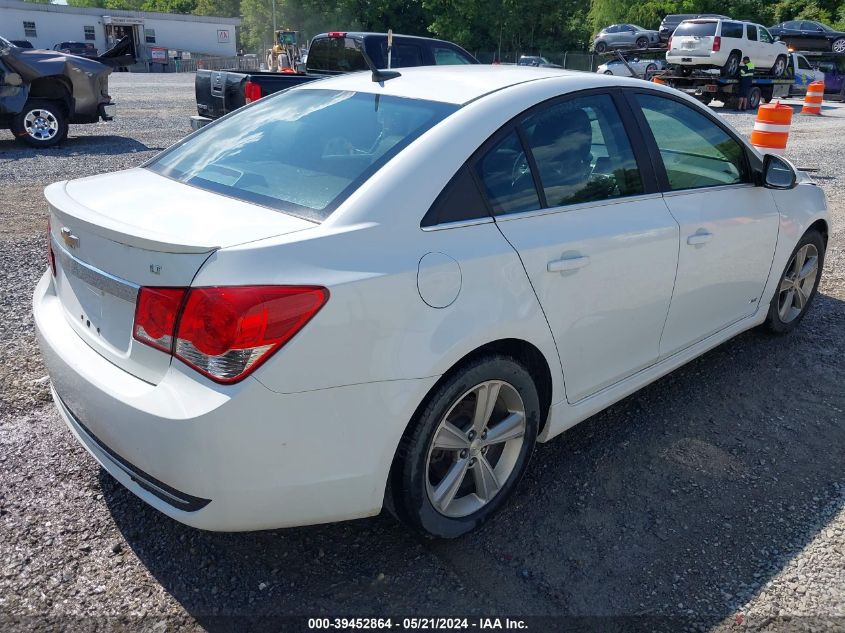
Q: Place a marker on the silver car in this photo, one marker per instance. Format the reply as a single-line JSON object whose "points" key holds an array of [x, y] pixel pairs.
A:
{"points": [[625, 36], [644, 68]]}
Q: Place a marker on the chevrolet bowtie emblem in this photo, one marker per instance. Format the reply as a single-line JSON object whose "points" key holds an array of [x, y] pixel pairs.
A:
{"points": [[69, 238]]}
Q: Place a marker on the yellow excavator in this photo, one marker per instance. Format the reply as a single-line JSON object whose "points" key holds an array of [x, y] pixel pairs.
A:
{"points": [[285, 55]]}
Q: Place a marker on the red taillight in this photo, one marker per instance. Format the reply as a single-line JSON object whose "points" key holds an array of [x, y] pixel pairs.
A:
{"points": [[51, 254], [717, 44], [337, 33], [225, 333], [155, 316], [669, 44], [252, 92]]}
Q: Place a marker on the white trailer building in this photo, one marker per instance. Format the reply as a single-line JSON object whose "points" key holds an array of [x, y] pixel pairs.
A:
{"points": [[46, 25]]}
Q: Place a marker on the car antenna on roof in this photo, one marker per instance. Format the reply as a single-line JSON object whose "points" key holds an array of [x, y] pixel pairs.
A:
{"points": [[379, 76]]}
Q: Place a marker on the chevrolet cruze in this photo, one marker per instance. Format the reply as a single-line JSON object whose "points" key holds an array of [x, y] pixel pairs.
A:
{"points": [[372, 292]]}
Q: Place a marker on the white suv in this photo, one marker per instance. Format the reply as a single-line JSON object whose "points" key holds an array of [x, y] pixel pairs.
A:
{"points": [[716, 43]]}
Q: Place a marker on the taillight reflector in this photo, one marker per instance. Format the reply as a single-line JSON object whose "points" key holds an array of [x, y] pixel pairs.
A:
{"points": [[252, 92], [225, 333], [155, 316], [717, 44]]}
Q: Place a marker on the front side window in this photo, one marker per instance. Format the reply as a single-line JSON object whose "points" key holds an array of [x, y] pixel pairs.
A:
{"points": [[29, 29], [507, 179], [301, 152], [448, 57], [582, 152], [765, 36], [803, 64], [752, 32], [695, 151]]}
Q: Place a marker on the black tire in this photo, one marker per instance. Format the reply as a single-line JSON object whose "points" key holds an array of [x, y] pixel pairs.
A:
{"points": [[731, 67], [27, 127], [410, 479], [601, 47], [779, 69], [642, 43], [754, 98], [775, 321], [649, 71]]}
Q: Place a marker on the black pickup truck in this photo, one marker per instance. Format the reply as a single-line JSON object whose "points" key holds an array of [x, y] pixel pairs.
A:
{"points": [[219, 92]]}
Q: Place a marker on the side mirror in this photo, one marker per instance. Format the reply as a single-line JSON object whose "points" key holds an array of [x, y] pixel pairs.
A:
{"points": [[778, 173]]}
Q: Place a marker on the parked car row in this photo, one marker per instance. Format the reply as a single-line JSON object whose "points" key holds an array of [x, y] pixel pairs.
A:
{"points": [[796, 34]]}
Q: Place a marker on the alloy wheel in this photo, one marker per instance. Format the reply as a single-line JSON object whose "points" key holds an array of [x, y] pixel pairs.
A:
{"points": [[42, 125], [798, 283], [475, 448], [839, 46]]}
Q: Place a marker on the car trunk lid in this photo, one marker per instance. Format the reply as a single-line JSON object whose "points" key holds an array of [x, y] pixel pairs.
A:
{"points": [[113, 234]]}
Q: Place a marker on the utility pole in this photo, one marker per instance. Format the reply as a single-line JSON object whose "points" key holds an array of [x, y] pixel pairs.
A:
{"points": [[274, 20]]}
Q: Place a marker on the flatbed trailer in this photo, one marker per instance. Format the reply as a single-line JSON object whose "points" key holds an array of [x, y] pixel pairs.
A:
{"points": [[707, 87]]}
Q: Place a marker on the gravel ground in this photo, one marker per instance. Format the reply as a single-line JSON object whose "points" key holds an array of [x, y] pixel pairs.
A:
{"points": [[712, 499]]}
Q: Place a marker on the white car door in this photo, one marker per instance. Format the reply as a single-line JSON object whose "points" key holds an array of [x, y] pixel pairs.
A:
{"points": [[729, 226], [754, 52], [769, 51], [596, 240]]}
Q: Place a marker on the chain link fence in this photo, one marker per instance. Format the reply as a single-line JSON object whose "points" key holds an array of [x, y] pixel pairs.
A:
{"points": [[191, 65], [571, 60]]}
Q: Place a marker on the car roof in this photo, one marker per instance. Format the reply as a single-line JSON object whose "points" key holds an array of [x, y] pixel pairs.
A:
{"points": [[363, 34], [455, 84]]}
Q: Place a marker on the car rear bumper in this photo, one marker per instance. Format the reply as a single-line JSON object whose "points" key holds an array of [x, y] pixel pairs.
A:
{"points": [[198, 121], [693, 60], [227, 458]]}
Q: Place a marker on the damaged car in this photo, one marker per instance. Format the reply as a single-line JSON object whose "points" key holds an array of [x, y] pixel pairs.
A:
{"points": [[42, 92]]}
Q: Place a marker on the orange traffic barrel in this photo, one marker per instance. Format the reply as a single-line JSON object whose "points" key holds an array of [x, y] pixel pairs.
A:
{"points": [[771, 129], [813, 98], [658, 80]]}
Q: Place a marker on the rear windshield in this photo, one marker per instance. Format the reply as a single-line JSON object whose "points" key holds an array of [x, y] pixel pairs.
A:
{"points": [[700, 29], [301, 151], [335, 54]]}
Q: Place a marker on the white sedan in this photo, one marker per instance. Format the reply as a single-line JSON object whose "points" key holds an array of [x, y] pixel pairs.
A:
{"points": [[357, 293]]}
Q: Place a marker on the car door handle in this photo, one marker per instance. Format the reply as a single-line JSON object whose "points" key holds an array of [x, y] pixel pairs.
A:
{"points": [[699, 238], [568, 263]]}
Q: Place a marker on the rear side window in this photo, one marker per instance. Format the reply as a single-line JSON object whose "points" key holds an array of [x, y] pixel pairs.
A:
{"points": [[335, 54], [582, 152], [507, 178], [695, 151], [403, 55], [698, 29], [460, 200], [301, 151], [752, 32], [732, 29]]}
